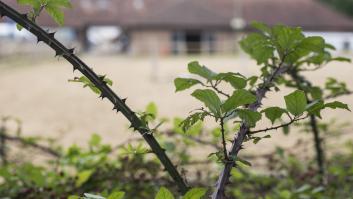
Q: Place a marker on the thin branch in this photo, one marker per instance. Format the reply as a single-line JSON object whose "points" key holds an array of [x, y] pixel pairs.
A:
{"points": [[214, 86], [25, 142], [338, 94], [279, 126]]}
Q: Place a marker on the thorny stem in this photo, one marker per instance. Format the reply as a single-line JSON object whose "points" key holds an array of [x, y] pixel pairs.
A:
{"points": [[320, 155], [223, 178], [106, 92], [224, 140], [3, 156]]}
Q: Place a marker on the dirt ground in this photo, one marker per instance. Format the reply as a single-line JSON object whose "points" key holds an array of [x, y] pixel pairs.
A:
{"points": [[36, 90]]}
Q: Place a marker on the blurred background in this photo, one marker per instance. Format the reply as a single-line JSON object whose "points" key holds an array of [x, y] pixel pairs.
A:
{"points": [[142, 45]]}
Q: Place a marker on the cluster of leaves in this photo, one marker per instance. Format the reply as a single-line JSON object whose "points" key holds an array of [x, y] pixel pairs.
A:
{"points": [[52, 7], [98, 169], [97, 173], [234, 107], [163, 193]]}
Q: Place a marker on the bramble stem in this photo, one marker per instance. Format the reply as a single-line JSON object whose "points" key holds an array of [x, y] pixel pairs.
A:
{"points": [[119, 103]]}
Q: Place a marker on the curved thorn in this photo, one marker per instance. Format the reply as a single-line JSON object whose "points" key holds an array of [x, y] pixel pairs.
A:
{"points": [[102, 96], [52, 34], [71, 51], [102, 78], [39, 39], [124, 100], [116, 107], [75, 68], [58, 53]]}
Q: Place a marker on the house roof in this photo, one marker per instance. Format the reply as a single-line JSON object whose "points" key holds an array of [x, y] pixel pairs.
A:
{"points": [[200, 14]]}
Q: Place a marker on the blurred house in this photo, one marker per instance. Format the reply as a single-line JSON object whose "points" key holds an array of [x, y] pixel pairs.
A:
{"points": [[194, 26]]}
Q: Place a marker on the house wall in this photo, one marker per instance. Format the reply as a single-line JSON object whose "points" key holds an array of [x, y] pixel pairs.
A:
{"points": [[226, 42], [150, 42], [337, 39], [147, 42]]}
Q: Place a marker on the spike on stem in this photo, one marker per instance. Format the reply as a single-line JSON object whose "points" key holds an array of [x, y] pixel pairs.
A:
{"points": [[124, 100], [102, 78], [25, 16], [102, 95], [58, 53], [117, 110], [39, 39], [75, 68], [52, 34], [71, 51]]}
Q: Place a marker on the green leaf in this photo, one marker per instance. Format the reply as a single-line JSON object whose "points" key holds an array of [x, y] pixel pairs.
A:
{"points": [[210, 99], [315, 108], [341, 59], [95, 140], [286, 130], [164, 193], [34, 3], [250, 117], [296, 102], [261, 26], [73, 197], [258, 47], [56, 14], [237, 81], [313, 44], [152, 109], [184, 83], [116, 195], [274, 113], [191, 120], [337, 104], [252, 80], [286, 38], [245, 162], [60, 3], [195, 68], [195, 193], [316, 92], [239, 98], [83, 177]]}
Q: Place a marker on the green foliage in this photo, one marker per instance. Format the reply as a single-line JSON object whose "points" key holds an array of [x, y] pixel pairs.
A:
{"points": [[52, 7], [236, 80], [258, 47], [279, 49], [195, 193], [87, 83], [274, 113], [164, 193], [195, 68], [210, 99], [184, 83], [296, 102], [337, 104], [248, 116], [239, 98]]}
